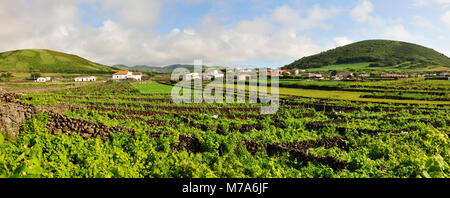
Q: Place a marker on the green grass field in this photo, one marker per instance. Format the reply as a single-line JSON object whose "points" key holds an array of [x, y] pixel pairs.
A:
{"points": [[153, 87]]}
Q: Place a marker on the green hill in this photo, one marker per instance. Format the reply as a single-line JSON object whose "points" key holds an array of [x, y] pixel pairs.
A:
{"points": [[378, 54], [41, 60]]}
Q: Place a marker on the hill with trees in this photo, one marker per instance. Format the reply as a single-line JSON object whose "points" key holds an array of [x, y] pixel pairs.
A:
{"points": [[383, 54]]}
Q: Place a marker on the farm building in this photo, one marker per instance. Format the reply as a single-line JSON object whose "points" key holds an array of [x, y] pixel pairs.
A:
{"points": [[243, 77], [274, 73], [85, 79], [394, 76], [279, 72], [192, 76], [125, 75], [43, 79], [344, 74], [297, 72], [444, 74], [312, 75], [213, 74], [429, 75]]}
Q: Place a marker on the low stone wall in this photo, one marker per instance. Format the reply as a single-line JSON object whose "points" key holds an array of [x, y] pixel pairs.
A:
{"points": [[9, 97], [58, 123], [13, 116]]}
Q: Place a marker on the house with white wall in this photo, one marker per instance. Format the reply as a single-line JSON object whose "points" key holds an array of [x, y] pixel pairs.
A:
{"points": [[209, 75], [192, 76], [344, 74], [243, 77], [43, 79], [125, 75], [86, 79]]}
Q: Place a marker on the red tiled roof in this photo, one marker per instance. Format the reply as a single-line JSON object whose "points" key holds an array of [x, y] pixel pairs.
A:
{"points": [[121, 73]]}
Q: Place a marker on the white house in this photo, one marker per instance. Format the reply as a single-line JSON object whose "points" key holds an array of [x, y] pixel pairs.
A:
{"points": [[312, 75], [364, 75], [85, 79], [243, 77], [344, 74], [214, 73], [192, 76], [136, 76], [43, 79], [429, 75], [299, 72], [394, 76], [125, 75]]}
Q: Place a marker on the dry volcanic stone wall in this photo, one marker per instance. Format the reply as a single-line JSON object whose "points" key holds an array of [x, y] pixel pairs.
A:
{"points": [[58, 124], [13, 115]]}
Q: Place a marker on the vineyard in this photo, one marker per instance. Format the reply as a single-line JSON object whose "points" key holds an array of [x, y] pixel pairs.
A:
{"points": [[117, 130]]}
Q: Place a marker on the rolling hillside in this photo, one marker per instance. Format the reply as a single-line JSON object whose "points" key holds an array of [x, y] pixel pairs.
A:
{"points": [[377, 54], [41, 60]]}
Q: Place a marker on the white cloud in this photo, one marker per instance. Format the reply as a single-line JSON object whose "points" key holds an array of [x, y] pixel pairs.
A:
{"points": [[423, 3], [420, 3], [362, 11], [443, 2], [127, 37], [422, 22], [341, 41], [446, 17], [397, 32], [315, 17], [133, 12]]}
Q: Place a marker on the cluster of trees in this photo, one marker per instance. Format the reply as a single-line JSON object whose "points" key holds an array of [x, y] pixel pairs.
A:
{"points": [[35, 76], [6, 76]]}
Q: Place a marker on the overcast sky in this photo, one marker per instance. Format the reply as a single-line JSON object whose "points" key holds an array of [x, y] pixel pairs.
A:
{"points": [[255, 33]]}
